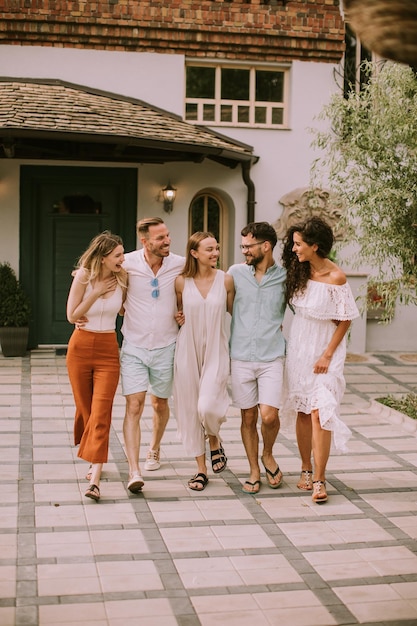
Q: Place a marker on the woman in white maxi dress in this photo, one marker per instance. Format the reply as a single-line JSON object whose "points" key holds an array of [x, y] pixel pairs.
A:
{"points": [[324, 306], [201, 364]]}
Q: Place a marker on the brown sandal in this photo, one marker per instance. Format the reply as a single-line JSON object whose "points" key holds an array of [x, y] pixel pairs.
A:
{"points": [[93, 492], [306, 480], [200, 480], [319, 491]]}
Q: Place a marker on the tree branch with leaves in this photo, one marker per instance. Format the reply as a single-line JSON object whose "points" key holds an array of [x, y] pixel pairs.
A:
{"points": [[369, 158]]}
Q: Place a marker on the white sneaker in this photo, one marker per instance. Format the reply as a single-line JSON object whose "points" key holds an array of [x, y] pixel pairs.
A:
{"points": [[135, 483], [152, 460]]}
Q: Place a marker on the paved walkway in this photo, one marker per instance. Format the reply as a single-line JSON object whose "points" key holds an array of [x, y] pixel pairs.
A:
{"points": [[174, 557]]}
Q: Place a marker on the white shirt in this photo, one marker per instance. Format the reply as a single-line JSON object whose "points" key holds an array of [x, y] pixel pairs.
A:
{"points": [[103, 312], [149, 322]]}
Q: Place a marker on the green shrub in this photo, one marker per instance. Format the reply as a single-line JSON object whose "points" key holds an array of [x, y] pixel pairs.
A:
{"points": [[405, 404], [15, 306]]}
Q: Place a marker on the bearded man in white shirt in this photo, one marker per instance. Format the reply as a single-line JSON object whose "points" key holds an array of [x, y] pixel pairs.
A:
{"points": [[149, 334]]}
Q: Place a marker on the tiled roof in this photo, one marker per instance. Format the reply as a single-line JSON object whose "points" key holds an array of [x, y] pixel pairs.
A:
{"points": [[54, 108]]}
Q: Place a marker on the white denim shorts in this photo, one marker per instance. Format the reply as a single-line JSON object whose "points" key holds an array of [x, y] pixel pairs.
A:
{"points": [[143, 370], [256, 383]]}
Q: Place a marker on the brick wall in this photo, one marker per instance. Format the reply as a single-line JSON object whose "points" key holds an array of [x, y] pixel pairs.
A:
{"points": [[268, 30]]}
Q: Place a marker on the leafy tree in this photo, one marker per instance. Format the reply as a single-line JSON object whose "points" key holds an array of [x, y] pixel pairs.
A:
{"points": [[369, 157]]}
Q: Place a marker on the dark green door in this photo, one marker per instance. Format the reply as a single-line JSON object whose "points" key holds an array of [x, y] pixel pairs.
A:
{"points": [[62, 208]]}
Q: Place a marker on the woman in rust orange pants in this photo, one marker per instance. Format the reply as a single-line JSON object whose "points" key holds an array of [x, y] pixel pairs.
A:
{"points": [[95, 298]]}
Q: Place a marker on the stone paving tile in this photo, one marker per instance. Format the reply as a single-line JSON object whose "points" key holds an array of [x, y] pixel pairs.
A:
{"points": [[377, 603], [173, 557]]}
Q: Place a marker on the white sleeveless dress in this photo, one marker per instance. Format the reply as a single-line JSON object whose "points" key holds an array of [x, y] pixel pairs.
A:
{"points": [[201, 365], [311, 330]]}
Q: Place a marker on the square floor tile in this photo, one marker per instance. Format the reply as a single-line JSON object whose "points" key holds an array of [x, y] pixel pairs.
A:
{"points": [[68, 579], [124, 541], [7, 616], [73, 613], [63, 544], [122, 576]]}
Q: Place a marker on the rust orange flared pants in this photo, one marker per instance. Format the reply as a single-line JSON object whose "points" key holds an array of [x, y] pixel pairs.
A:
{"points": [[93, 368]]}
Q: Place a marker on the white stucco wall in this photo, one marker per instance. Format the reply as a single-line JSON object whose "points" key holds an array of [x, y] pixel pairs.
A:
{"points": [[286, 155], [150, 77], [398, 336], [189, 180]]}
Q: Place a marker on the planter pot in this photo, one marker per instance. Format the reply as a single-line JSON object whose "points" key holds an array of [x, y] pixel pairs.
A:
{"points": [[14, 341]]}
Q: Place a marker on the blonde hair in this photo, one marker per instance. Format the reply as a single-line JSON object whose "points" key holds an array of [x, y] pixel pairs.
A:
{"points": [[99, 247]]}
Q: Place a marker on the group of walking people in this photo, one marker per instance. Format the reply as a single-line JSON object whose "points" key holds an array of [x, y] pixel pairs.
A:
{"points": [[188, 326]]}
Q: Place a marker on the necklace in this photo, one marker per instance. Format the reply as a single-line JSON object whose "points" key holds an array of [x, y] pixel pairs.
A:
{"points": [[320, 270]]}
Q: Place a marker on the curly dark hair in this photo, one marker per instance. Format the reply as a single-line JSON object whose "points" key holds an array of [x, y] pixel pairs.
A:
{"points": [[314, 230], [261, 230]]}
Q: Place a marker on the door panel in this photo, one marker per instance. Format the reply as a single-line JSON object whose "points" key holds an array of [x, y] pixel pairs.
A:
{"points": [[62, 209], [69, 238]]}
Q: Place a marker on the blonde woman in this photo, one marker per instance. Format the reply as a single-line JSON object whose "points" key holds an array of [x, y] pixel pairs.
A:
{"points": [[96, 296], [201, 364]]}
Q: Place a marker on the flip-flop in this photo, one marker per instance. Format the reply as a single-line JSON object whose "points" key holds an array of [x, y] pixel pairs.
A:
{"points": [[222, 458], [273, 475], [199, 479], [252, 492]]}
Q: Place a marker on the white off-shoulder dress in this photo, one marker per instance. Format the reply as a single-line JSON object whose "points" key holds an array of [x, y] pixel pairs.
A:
{"points": [[311, 331], [201, 365]]}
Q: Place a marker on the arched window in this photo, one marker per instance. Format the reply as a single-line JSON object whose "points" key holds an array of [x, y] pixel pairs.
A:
{"points": [[207, 214]]}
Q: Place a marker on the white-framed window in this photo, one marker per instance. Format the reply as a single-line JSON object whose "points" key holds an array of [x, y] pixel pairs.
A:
{"points": [[237, 95]]}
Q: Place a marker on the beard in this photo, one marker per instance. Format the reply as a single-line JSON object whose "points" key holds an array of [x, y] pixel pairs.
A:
{"points": [[158, 251], [254, 260]]}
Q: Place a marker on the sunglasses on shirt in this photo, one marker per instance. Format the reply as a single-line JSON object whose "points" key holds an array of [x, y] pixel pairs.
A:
{"points": [[155, 290]]}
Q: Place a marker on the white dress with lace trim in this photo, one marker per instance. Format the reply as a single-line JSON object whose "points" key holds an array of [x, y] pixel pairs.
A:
{"points": [[311, 330]]}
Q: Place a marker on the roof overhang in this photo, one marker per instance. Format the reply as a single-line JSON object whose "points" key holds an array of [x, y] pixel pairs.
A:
{"points": [[41, 119]]}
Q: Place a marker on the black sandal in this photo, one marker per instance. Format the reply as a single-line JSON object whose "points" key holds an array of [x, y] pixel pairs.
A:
{"points": [[270, 473], [93, 492], [222, 458], [199, 479]]}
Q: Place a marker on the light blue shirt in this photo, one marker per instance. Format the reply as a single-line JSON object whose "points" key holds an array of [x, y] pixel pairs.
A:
{"points": [[258, 312]]}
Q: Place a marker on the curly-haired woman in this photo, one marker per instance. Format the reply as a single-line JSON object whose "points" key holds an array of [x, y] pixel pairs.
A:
{"points": [[320, 297]]}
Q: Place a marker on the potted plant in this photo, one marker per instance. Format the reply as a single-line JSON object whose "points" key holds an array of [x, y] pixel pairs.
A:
{"points": [[14, 313]]}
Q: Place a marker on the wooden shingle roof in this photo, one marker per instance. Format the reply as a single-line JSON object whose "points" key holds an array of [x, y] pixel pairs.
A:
{"points": [[47, 119]]}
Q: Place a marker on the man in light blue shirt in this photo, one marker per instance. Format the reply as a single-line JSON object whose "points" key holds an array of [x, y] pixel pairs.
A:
{"points": [[257, 349]]}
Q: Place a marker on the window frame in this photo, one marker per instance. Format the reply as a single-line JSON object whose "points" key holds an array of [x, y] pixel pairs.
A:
{"points": [[361, 54], [222, 239], [217, 102]]}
